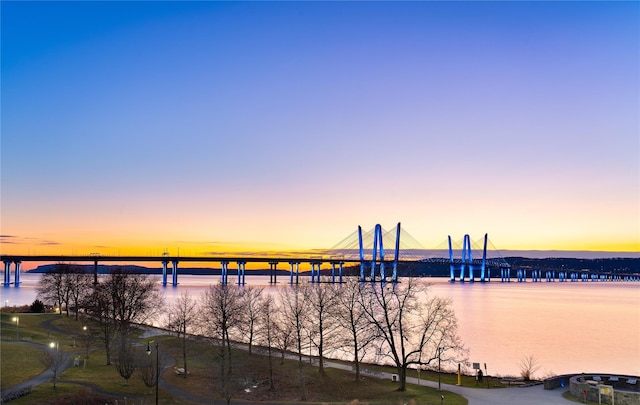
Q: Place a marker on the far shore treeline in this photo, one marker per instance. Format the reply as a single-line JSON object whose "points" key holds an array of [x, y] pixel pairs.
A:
{"points": [[608, 266]]}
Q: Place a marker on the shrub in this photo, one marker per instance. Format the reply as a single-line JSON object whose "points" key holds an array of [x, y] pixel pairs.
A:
{"points": [[37, 306]]}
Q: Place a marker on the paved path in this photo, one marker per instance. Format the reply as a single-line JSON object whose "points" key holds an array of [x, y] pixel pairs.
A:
{"points": [[41, 378], [535, 395]]}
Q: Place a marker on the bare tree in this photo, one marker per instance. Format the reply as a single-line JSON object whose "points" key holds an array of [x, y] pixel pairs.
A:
{"points": [[146, 368], [146, 365], [266, 331], [283, 336], [126, 359], [251, 301], [65, 285], [79, 285], [53, 288], [295, 311], [120, 300], [183, 316], [528, 366], [221, 313], [134, 298], [98, 305], [88, 337], [359, 333], [53, 359], [411, 327], [322, 317]]}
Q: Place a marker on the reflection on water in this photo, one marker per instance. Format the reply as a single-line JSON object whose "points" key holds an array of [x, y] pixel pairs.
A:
{"points": [[568, 327]]}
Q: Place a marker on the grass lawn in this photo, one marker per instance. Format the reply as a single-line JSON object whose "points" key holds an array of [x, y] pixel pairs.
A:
{"points": [[250, 380], [18, 363], [29, 327]]}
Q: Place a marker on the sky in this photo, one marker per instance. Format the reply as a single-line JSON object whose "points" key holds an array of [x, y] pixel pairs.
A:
{"points": [[140, 127]]}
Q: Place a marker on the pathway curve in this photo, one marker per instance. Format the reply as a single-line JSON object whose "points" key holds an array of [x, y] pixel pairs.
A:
{"points": [[41, 378]]}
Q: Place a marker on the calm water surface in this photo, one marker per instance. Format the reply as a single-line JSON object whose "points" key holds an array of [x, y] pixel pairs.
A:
{"points": [[568, 327]]}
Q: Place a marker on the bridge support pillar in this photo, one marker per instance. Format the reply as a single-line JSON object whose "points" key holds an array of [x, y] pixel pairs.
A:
{"points": [[174, 273], [315, 272], [297, 267], [95, 272], [16, 276], [7, 273], [333, 272], [273, 276], [241, 273], [340, 272], [164, 272], [224, 272]]}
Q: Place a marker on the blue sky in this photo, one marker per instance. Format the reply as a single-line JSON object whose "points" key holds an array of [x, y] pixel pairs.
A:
{"points": [[285, 125]]}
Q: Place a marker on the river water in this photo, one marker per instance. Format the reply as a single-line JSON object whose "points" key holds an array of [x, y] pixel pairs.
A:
{"points": [[568, 327]]}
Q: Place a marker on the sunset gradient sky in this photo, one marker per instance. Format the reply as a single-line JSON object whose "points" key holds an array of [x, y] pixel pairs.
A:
{"points": [[138, 127]]}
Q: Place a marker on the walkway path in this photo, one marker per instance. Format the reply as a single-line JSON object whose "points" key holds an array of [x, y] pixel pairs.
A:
{"points": [[535, 395], [41, 378]]}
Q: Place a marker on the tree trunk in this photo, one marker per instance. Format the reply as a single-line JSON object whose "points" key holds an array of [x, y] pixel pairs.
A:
{"points": [[320, 351], [357, 364], [402, 374], [271, 386], [107, 344], [184, 353]]}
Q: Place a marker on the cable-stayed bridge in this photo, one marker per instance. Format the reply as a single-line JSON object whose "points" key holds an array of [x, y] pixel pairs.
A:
{"points": [[377, 252]]}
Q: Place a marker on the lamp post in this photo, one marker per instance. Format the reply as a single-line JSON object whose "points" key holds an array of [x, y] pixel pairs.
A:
{"points": [[157, 365], [55, 361], [439, 371], [16, 319], [86, 342]]}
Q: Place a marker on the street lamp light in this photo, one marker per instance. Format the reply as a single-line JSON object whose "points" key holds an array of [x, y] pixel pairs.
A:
{"points": [[56, 361], [157, 365], [16, 319], [86, 342]]}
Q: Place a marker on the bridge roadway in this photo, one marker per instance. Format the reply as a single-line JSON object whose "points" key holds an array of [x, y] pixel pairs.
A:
{"points": [[224, 260], [294, 262]]}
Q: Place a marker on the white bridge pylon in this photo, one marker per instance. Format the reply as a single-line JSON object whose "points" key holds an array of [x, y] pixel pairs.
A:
{"points": [[378, 247]]}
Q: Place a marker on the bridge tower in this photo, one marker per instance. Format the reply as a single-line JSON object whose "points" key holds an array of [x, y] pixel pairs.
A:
{"points": [[378, 239], [467, 260]]}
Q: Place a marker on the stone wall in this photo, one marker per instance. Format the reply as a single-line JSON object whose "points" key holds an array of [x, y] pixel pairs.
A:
{"points": [[559, 381], [626, 389]]}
